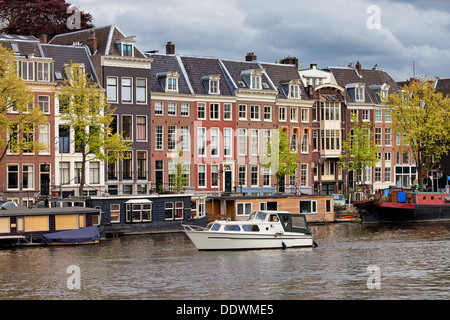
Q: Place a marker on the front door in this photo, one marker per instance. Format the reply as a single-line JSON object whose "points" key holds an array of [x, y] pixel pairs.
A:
{"points": [[45, 179], [228, 181], [159, 175]]}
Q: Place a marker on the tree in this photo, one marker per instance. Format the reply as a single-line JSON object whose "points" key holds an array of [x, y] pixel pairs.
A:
{"points": [[422, 115], [280, 158], [179, 174], [19, 117], [359, 149], [37, 17], [89, 116]]}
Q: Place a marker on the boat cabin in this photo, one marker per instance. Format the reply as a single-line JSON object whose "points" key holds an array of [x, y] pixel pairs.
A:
{"points": [[24, 223], [237, 207]]}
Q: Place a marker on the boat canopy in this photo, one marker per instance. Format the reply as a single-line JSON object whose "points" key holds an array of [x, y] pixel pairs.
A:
{"points": [[73, 236]]}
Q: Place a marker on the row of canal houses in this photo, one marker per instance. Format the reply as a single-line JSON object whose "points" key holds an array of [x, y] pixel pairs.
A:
{"points": [[219, 113]]}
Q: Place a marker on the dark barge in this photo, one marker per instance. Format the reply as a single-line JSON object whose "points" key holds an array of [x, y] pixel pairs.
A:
{"points": [[401, 206]]}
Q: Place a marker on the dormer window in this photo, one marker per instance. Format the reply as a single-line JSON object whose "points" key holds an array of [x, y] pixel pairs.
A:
{"points": [[359, 94], [380, 91], [253, 78], [356, 91], [211, 84], [126, 46], [169, 81], [294, 91]]}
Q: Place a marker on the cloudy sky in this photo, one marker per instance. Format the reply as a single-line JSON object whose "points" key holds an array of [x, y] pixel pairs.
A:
{"points": [[390, 33]]}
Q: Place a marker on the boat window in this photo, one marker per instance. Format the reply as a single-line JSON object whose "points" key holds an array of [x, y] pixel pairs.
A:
{"points": [[261, 216], [298, 222], [215, 227], [253, 228], [232, 227], [273, 218]]}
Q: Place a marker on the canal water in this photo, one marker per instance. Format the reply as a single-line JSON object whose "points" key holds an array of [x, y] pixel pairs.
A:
{"points": [[350, 262]]}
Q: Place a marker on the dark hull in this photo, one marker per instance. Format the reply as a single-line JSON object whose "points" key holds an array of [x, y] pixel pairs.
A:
{"points": [[400, 213]]}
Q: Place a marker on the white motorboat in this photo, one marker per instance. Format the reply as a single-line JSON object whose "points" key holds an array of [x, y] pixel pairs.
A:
{"points": [[263, 230]]}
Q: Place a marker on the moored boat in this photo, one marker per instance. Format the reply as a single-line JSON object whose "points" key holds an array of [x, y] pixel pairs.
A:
{"points": [[263, 230], [405, 206]]}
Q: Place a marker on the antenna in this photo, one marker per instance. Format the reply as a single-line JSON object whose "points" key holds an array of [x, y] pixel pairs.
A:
{"points": [[118, 15], [414, 70]]}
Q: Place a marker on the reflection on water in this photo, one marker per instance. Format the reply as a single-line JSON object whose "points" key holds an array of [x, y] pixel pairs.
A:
{"points": [[413, 261]]}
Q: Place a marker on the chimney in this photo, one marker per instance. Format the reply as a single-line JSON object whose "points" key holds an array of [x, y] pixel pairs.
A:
{"points": [[92, 42], [313, 66], [250, 57], [358, 67], [43, 38], [290, 60], [170, 48]]}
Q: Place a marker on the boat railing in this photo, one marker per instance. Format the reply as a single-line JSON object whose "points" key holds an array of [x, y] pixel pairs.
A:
{"points": [[192, 227]]}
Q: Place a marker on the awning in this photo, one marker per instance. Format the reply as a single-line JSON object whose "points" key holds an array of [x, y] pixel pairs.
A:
{"points": [[139, 201]]}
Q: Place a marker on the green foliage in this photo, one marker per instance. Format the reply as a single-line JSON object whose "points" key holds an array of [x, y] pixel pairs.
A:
{"points": [[89, 116], [20, 118], [422, 115], [359, 149], [179, 180]]}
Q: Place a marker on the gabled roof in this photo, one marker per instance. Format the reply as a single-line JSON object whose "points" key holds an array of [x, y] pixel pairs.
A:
{"points": [[283, 73], [106, 36], [22, 45], [371, 78], [65, 55], [443, 86], [168, 63], [199, 68]]}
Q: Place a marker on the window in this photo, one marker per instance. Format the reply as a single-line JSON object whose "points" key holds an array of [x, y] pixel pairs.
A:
{"points": [[266, 140], [254, 113], [308, 206], [185, 138], [359, 94], [201, 141], [44, 103], [127, 127], [202, 175], [44, 136], [159, 108], [255, 82], [294, 114], [172, 84], [184, 110], [159, 137], [138, 212], [214, 176], [305, 142], [111, 89], [127, 166], [294, 90], [13, 176], [242, 175], [242, 141], [387, 174], [141, 128], [28, 137], [127, 50], [387, 156], [378, 116], [26, 70], [201, 111], [172, 138], [377, 174], [141, 91], [243, 208], [387, 116], [388, 136], [214, 141], [114, 210], [94, 172], [77, 172], [64, 139], [179, 209], [227, 142], [227, 111], [213, 86], [142, 165], [172, 109], [266, 177], [255, 142], [43, 71], [303, 174], [365, 115], [242, 112], [378, 135], [126, 90], [65, 172], [214, 111], [254, 174], [267, 113], [282, 114]]}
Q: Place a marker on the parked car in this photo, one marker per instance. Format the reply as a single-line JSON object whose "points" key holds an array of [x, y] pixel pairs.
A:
{"points": [[8, 204], [339, 201]]}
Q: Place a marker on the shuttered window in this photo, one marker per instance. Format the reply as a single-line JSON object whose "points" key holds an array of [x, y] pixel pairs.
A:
{"points": [[4, 225], [36, 223]]}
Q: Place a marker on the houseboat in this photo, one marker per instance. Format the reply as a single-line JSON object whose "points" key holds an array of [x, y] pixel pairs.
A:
{"points": [[398, 206], [262, 230], [21, 225], [238, 207]]}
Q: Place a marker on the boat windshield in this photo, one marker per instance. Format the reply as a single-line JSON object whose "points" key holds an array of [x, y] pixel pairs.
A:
{"points": [[338, 197], [257, 215]]}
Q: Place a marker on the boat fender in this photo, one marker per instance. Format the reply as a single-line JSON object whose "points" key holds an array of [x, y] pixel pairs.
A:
{"points": [[283, 244], [315, 243]]}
